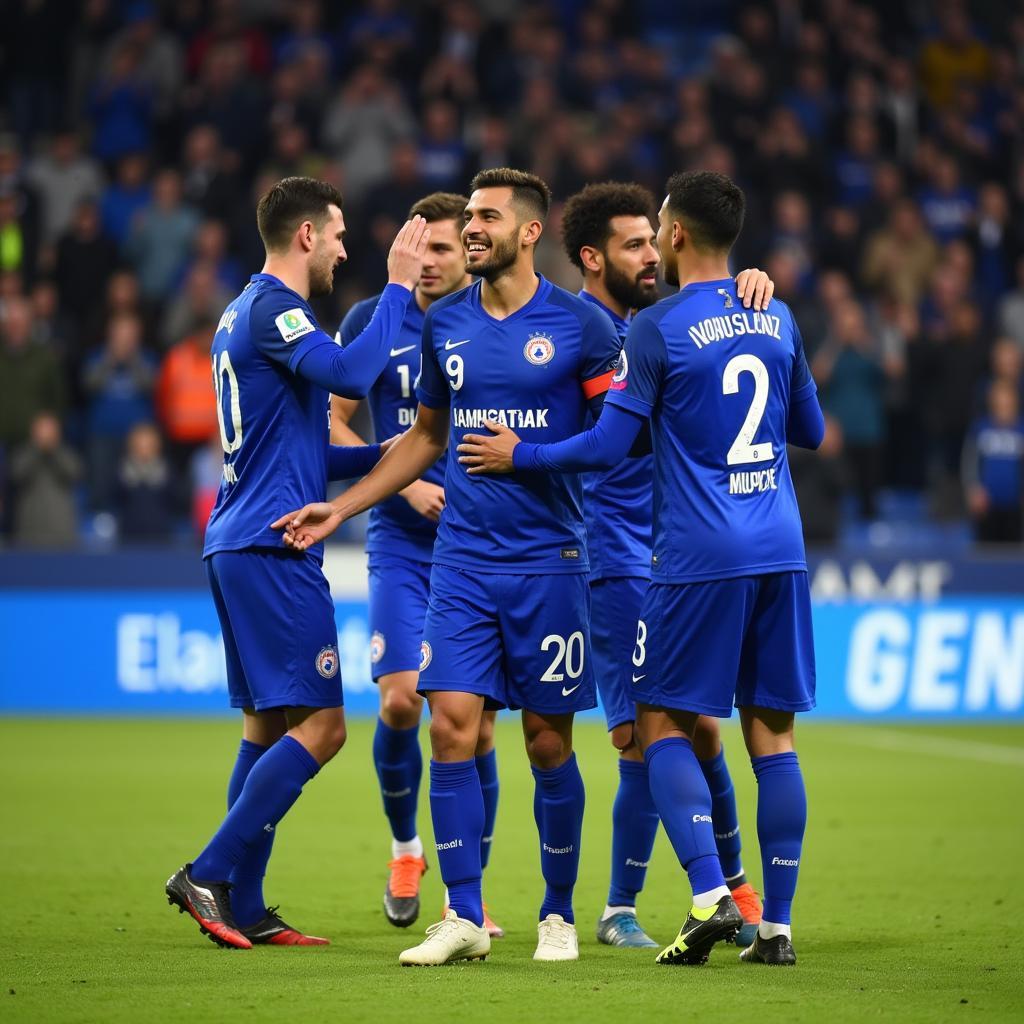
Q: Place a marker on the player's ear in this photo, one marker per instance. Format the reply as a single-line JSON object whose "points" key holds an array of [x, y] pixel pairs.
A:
{"points": [[529, 233], [307, 235], [680, 236], [592, 259]]}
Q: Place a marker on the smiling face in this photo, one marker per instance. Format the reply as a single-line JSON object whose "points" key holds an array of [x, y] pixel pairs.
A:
{"points": [[631, 262], [492, 232], [328, 252], [444, 265]]}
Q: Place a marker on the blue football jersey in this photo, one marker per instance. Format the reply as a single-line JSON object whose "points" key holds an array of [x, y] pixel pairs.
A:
{"points": [[395, 526], [535, 371], [274, 425], [717, 382], [617, 504]]}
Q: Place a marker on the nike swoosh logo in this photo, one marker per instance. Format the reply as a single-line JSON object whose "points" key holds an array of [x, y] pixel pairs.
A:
{"points": [[400, 351], [636, 678], [449, 344], [565, 692]]}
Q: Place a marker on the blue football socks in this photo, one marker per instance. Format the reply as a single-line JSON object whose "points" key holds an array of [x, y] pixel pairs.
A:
{"points": [[273, 784], [725, 821], [634, 826], [246, 879], [457, 808], [399, 764], [683, 800], [487, 769], [781, 819], [558, 803]]}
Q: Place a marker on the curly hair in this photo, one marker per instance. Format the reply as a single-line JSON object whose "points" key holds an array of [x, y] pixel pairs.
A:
{"points": [[587, 217]]}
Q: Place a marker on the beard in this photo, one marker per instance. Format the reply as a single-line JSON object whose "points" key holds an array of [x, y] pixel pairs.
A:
{"points": [[321, 279], [671, 273], [630, 292], [503, 255]]}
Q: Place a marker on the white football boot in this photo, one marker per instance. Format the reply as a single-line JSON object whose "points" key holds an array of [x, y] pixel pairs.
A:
{"points": [[556, 939], [450, 939]]}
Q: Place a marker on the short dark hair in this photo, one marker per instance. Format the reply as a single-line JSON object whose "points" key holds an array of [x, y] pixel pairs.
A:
{"points": [[529, 191], [587, 217], [288, 203], [440, 206], [711, 206]]}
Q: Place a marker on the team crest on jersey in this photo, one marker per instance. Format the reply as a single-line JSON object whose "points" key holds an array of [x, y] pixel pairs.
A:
{"points": [[292, 324], [539, 349], [377, 647], [426, 655], [726, 296], [327, 661]]}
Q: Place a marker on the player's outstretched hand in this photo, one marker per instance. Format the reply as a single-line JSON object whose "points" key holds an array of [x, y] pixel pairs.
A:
{"points": [[309, 525], [405, 261], [481, 453], [426, 498], [755, 288]]}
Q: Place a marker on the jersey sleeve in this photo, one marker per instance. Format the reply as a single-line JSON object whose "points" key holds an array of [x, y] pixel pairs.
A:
{"points": [[283, 327], [637, 383], [355, 321], [600, 351], [802, 383], [431, 385]]}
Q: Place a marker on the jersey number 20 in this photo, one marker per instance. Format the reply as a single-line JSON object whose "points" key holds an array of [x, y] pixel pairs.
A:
{"points": [[744, 449]]}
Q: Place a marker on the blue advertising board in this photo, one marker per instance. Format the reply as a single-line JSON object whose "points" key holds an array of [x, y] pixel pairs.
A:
{"points": [[157, 651]]}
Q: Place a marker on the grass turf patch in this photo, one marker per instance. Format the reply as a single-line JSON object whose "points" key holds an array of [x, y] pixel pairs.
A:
{"points": [[906, 910]]}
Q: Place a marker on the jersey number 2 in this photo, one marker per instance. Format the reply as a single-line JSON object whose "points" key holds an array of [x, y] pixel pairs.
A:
{"points": [[744, 449]]}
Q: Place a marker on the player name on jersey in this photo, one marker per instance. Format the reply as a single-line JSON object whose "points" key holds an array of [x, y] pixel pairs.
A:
{"points": [[753, 481], [514, 419], [717, 328]]}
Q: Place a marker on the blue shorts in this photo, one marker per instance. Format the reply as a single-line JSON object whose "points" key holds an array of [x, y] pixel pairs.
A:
{"points": [[399, 589], [280, 638], [614, 610], [518, 641], [702, 646]]}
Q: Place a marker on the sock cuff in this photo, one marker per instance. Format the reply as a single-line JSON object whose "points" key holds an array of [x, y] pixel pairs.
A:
{"points": [[667, 743], [252, 749], [554, 776], [300, 753], [786, 763], [714, 764], [389, 731], [637, 769], [452, 774], [487, 766]]}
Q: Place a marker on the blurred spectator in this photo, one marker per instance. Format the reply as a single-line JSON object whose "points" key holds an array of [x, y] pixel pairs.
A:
{"points": [[118, 381], [1010, 318], [145, 510], [993, 468], [31, 379], [209, 183], [44, 473], [992, 244], [185, 402], [161, 237], [948, 205], [121, 106], [64, 178], [205, 475], [954, 57], [123, 199], [899, 259], [442, 153], [820, 481], [851, 379], [85, 260], [201, 299], [16, 244]]}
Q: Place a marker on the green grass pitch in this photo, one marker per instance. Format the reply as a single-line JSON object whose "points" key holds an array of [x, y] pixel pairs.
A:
{"points": [[908, 909]]}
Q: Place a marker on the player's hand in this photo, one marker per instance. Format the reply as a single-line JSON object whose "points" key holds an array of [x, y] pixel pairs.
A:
{"points": [[405, 261], [426, 498], [492, 453], [754, 287], [309, 525]]}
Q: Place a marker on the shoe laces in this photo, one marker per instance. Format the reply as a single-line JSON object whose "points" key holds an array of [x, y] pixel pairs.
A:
{"points": [[439, 928], [749, 903], [555, 933], [406, 872], [272, 912], [627, 924]]}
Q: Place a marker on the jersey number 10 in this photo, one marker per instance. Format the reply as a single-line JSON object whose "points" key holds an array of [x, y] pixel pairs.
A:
{"points": [[224, 371]]}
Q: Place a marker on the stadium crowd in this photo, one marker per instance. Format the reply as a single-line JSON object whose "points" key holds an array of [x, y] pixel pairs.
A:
{"points": [[880, 145]]}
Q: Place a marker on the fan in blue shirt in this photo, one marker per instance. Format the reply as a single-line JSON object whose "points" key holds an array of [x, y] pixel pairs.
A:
{"points": [[400, 544], [607, 234], [273, 370], [727, 616], [508, 620]]}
